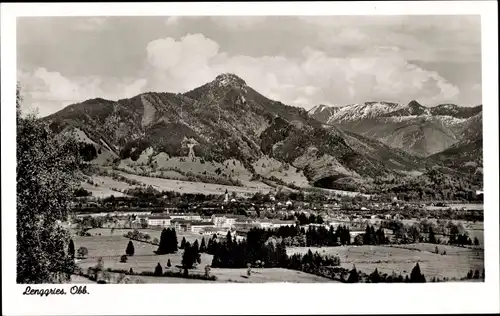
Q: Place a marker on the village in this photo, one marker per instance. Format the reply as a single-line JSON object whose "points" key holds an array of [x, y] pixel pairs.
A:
{"points": [[239, 215]]}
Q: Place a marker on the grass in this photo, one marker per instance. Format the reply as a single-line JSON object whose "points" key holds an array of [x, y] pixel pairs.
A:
{"points": [[110, 247], [456, 263], [266, 276]]}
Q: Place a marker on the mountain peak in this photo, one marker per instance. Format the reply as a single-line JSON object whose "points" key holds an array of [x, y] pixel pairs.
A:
{"points": [[414, 103], [229, 79]]}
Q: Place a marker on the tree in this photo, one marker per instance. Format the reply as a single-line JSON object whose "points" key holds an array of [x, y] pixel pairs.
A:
{"points": [[432, 236], [123, 259], [130, 248], [71, 249], [416, 276], [158, 269], [374, 277], [168, 242], [353, 276], [195, 246], [183, 242], [358, 240], [203, 247], [210, 247], [476, 241], [82, 252], [169, 264], [476, 274], [190, 257], [46, 171]]}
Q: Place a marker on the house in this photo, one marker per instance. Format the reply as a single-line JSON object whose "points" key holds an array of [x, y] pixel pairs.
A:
{"points": [[265, 224], [280, 223], [240, 218], [198, 226], [219, 219], [206, 219], [159, 220], [181, 224], [186, 216]]}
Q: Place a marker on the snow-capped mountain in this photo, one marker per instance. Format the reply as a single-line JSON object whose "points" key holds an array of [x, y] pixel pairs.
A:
{"points": [[323, 113], [411, 127]]}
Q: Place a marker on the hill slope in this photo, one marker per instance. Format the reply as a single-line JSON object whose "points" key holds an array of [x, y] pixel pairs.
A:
{"points": [[225, 129], [411, 127]]}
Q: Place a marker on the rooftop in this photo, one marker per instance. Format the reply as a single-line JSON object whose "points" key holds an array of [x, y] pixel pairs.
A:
{"points": [[196, 223], [159, 217]]}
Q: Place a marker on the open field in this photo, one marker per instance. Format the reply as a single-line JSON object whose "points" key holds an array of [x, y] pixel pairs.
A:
{"points": [[456, 263], [154, 233], [110, 248], [267, 275], [195, 187], [457, 207]]}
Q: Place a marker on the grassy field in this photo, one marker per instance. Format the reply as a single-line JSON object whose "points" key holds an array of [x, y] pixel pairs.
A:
{"points": [[266, 276], [456, 263], [110, 247], [194, 187]]}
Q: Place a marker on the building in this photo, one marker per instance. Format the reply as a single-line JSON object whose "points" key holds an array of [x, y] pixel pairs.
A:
{"points": [[355, 233], [186, 216], [265, 223], [181, 225], [159, 220], [280, 223], [197, 227], [206, 219], [223, 220]]}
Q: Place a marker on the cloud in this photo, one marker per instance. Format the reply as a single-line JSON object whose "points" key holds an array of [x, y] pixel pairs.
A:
{"points": [[50, 91], [315, 78], [238, 22], [90, 24]]}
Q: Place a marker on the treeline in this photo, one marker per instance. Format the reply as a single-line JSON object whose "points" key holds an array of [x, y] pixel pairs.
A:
{"points": [[432, 185], [426, 231], [303, 219], [258, 250]]}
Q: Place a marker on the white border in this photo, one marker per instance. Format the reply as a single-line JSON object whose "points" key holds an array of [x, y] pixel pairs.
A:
{"points": [[257, 298]]}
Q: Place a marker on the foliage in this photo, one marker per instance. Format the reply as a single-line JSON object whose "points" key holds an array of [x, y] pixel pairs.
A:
{"points": [[190, 257], [416, 276], [158, 270], [46, 167], [82, 252], [130, 248], [168, 241], [71, 249]]}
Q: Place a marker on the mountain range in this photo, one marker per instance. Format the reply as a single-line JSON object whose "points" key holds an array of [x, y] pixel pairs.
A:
{"points": [[412, 127], [225, 129]]}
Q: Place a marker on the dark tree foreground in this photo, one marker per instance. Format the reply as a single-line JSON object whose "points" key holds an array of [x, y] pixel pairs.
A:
{"points": [[46, 166]]}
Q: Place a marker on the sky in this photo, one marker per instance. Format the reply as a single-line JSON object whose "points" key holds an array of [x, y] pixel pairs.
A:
{"points": [[300, 61]]}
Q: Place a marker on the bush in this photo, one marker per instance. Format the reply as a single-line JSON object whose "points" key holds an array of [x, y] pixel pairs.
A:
{"points": [[82, 252], [123, 259]]}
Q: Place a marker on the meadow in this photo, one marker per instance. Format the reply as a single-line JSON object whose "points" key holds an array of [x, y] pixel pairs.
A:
{"points": [[110, 247], [402, 258]]}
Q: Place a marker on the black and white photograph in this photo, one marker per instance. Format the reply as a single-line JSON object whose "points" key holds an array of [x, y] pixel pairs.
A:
{"points": [[266, 149]]}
